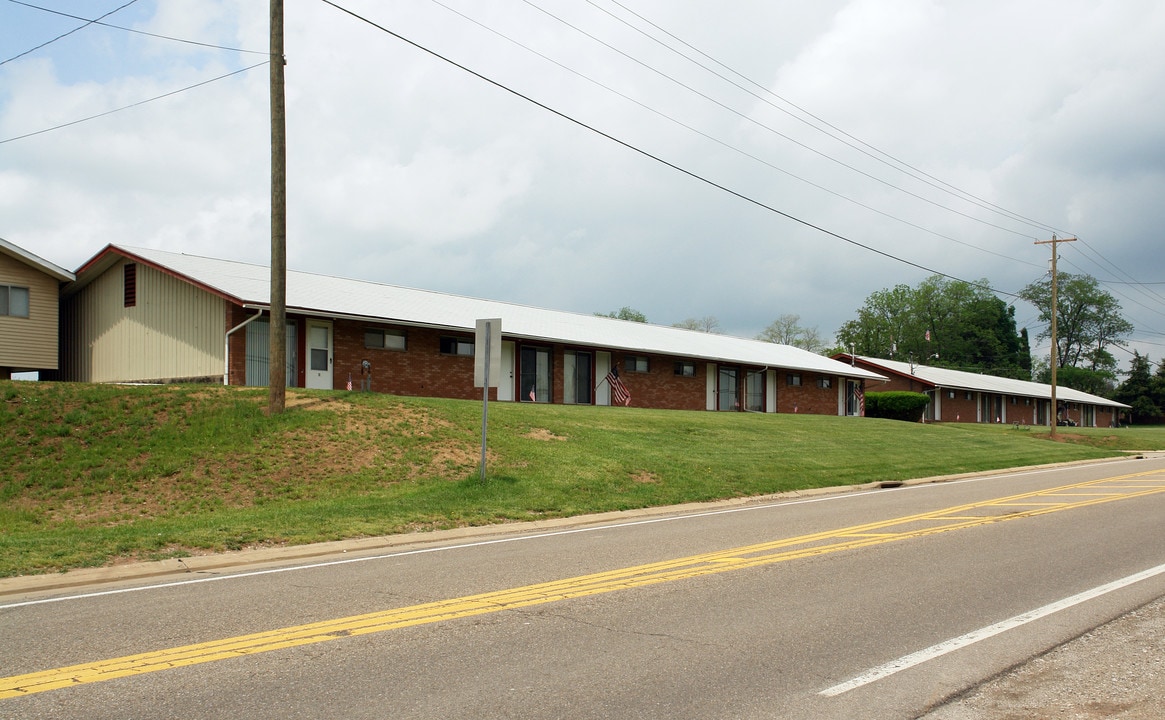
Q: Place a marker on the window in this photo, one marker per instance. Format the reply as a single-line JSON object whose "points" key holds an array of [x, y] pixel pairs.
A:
{"points": [[824, 383], [685, 369], [951, 394], [456, 346], [378, 339], [129, 274], [636, 363], [13, 301], [793, 379], [967, 395]]}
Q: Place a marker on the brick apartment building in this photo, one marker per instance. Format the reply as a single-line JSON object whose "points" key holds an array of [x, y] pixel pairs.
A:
{"points": [[958, 396], [140, 315]]}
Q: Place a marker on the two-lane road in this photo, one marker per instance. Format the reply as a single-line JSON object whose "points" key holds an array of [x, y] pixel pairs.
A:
{"points": [[873, 605]]}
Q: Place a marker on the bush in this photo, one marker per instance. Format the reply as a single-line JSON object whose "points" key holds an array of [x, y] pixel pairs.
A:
{"points": [[896, 405]]}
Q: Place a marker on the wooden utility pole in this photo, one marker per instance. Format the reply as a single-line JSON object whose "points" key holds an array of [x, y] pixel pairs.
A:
{"points": [[276, 376], [1055, 348]]}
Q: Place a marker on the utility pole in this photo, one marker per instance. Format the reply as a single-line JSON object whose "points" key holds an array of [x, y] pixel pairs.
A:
{"points": [[1055, 348], [276, 378]]}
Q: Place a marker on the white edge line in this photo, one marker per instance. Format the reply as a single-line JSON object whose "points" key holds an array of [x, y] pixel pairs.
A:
{"points": [[498, 541], [948, 646]]}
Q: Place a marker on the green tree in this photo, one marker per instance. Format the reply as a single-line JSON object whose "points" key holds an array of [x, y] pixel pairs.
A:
{"points": [[787, 330], [625, 313], [1140, 391], [942, 322], [1088, 321]]}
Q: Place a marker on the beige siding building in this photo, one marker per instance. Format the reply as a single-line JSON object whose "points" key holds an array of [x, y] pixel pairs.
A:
{"points": [[29, 304], [126, 321]]}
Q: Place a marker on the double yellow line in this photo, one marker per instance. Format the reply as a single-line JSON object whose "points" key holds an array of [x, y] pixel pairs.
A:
{"points": [[1067, 497]]}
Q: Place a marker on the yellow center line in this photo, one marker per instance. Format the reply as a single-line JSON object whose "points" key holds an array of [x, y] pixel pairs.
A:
{"points": [[749, 556]]}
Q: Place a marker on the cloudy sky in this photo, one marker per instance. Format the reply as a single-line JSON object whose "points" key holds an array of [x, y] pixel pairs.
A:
{"points": [[739, 160]]}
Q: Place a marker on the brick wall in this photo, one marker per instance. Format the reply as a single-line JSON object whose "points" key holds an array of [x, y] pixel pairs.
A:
{"points": [[809, 396], [420, 370], [660, 387]]}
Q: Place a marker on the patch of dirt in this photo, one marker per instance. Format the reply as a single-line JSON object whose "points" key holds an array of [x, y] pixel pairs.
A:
{"points": [[645, 477], [543, 434]]}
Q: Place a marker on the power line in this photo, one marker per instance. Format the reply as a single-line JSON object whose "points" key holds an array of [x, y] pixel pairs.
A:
{"points": [[723, 143], [130, 30], [647, 154], [50, 42], [133, 105], [774, 131]]}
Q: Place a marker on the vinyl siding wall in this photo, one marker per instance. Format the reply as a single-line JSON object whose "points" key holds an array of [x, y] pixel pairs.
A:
{"points": [[174, 332], [30, 343]]}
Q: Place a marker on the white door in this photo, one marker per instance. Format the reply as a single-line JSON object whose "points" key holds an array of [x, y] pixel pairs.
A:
{"points": [[506, 381], [319, 355], [602, 367]]}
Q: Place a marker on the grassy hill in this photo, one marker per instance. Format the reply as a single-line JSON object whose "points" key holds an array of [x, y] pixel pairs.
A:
{"points": [[94, 474]]}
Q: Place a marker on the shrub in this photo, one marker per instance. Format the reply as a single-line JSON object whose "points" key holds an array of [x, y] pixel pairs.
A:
{"points": [[896, 405]]}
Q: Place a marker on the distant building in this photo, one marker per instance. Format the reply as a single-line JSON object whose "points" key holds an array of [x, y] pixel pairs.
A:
{"points": [[958, 396], [29, 305], [138, 315]]}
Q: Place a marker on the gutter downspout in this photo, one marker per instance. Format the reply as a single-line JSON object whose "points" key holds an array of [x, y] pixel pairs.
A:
{"points": [[226, 374]]}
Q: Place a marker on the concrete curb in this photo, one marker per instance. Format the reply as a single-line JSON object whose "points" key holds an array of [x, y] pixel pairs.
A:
{"points": [[178, 568]]}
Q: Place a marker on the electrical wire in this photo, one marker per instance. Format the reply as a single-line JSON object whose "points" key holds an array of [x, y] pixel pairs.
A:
{"points": [[132, 30], [133, 105], [774, 131], [845, 137], [50, 42], [647, 154], [723, 143]]}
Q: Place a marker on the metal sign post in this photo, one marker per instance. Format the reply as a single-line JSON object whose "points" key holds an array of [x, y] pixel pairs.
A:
{"points": [[487, 351]]}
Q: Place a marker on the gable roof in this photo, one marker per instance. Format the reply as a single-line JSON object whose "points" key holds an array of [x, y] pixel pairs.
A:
{"points": [[24, 256], [962, 380], [249, 285]]}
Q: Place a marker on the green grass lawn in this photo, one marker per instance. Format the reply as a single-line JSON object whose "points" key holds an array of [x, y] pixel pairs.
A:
{"points": [[98, 473]]}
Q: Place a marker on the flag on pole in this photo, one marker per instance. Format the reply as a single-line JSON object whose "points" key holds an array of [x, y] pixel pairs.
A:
{"points": [[619, 391], [349, 381], [928, 335], [861, 401]]}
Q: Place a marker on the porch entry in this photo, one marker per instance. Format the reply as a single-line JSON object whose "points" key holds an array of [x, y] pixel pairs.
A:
{"points": [[579, 378], [258, 357], [319, 355], [534, 374]]}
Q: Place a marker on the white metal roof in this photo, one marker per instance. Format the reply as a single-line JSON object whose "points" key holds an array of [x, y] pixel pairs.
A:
{"points": [[249, 284], [962, 380], [24, 256]]}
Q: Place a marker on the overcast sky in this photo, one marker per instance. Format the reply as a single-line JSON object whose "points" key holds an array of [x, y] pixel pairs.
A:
{"points": [[758, 146]]}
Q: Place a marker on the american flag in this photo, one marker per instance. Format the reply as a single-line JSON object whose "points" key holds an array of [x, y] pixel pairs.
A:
{"points": [[619, 391], [861, 401], [533, 397], [349, 381]]}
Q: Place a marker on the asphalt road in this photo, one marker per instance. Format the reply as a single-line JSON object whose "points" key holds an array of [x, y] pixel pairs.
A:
{"points": [[877, 604]]}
